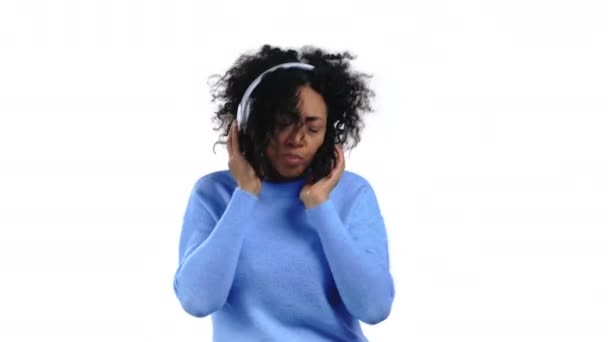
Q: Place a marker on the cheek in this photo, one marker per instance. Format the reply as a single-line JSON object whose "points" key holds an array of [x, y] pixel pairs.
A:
{"points": [[271, 152], [319, 141]]}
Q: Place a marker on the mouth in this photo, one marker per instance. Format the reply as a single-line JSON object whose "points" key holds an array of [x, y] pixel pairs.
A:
{"points": [[293, 159]]}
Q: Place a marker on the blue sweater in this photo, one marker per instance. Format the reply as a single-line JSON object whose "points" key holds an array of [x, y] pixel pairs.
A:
{"points": [[268, 269]]}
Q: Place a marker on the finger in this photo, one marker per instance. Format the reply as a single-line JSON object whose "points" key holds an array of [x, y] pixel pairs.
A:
{"points": [[336, 161], [341, 159], [339, 164], [229, 142], [236, 147], [234, 139]]}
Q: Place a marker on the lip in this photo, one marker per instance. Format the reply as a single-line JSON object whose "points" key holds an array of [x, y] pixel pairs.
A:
{"points": [[292, 159]]}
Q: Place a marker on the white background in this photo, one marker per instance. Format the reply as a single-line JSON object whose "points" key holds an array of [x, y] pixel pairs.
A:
{"points": [[488, 153]]}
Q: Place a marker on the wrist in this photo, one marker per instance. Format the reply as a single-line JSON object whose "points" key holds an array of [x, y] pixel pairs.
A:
{"points": [[255, 190], [315, 201]]}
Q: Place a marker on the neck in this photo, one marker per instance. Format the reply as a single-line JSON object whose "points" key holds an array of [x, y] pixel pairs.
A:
{"points": [[283, 187], [281, 179]]}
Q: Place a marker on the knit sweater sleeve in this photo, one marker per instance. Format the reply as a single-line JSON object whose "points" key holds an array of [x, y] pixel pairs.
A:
{"points": [[210, 244], [356, 249]]}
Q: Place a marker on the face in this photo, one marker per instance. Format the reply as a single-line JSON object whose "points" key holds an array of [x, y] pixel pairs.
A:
{"points": [[293, 148]]}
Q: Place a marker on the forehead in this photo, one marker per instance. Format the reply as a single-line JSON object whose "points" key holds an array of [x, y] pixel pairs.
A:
{"points": [[311, 104]]}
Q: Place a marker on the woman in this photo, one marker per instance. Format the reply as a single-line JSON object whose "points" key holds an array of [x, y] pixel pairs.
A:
{"points": [[286, 245]]}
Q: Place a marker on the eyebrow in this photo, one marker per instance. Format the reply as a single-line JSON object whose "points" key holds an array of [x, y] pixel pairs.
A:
{"points": [[310, 118]]}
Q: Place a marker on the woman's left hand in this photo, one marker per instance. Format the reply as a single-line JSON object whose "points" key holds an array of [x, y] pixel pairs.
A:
{"points": [[317, 193]]}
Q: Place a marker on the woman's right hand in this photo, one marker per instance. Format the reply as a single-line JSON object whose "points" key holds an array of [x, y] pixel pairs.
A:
{"points": [[240, 168]]}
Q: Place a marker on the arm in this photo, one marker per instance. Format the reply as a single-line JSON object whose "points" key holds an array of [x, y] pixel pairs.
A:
{"points": [[209, 250], [357, 255]]}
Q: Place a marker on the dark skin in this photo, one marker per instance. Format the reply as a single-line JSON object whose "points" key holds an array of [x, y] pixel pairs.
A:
{"points": [[302, 140]]}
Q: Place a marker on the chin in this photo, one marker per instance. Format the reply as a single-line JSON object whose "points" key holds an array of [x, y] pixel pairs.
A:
{"points": [[291, 173]]}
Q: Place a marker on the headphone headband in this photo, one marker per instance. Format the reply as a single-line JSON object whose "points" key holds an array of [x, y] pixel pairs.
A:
{"points": [[245, 106]]}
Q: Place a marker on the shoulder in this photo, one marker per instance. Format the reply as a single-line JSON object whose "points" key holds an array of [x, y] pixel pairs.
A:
{"points": [[354, 197], [352, 185], [214, 178], [352, 181], [215, 183]]}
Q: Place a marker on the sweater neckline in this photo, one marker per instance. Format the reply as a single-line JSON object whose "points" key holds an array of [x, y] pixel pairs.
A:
{"points": [[289, 188]]}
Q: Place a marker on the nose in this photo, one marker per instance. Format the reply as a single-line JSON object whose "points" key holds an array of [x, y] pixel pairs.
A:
{"points": [[296, 135]]}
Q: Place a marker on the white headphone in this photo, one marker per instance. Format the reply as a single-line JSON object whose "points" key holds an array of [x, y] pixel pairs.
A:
{"points": [[244, 107]]}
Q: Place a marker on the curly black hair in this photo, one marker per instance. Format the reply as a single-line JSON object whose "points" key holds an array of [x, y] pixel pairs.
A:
{"points": [[345, 92]]}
